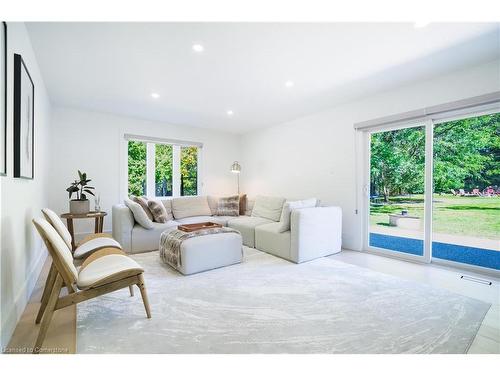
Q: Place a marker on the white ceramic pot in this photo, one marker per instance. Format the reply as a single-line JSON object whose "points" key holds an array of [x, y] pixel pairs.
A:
{"points": [[79, 207]]}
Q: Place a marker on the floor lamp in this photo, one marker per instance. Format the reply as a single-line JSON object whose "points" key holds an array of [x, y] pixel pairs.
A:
{"points": [[236, 168]]}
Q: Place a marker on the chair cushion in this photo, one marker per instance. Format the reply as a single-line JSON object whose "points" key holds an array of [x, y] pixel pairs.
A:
{"points": [[246, 226], [190, 206], [107, 269], [91, 246], [268, 207], [58, 225]]}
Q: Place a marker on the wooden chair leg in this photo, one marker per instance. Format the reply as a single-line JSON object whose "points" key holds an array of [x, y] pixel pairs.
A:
{"points": [[51, 278], [49, 311], [131, 288], [144, 295]]}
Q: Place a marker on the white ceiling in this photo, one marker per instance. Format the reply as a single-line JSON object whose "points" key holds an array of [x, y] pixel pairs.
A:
{"points": [[114, 67]]}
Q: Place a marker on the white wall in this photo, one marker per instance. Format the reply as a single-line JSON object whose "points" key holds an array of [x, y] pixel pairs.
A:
{"points": [[22, 253], [315, 156], [93, 142]]}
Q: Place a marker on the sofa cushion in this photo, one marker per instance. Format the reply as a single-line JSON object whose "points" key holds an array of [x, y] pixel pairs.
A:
{"points": [[139, 215], [246, 226], [190, 206], [288, 207], [228, 206], [268, 238], [149, 239], [268, 207]]}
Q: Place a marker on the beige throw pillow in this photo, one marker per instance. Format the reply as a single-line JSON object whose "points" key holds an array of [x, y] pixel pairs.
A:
{"points": [[158, 210], [139, 215], [143, 201], [228, 206]]}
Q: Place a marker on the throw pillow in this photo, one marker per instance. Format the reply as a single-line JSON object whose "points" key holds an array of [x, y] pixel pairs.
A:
{"points": [[158, 210], [228, 206], [139, 215], [288, 207], [143, 201], [213, 203], [243, 204], [268, 207], [167, 203]]}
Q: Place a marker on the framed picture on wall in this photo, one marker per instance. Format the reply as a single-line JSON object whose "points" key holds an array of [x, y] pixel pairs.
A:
{"points": [[24, 120], [3, 99]]}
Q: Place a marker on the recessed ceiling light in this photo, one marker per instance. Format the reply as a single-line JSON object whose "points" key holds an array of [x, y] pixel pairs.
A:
{"points": [[420, 24], [155, 95], [198, 48], [289, 84], [229, 113]]}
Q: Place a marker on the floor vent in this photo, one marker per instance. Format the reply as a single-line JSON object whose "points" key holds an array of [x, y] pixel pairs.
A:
{"points": [[476, 280]]}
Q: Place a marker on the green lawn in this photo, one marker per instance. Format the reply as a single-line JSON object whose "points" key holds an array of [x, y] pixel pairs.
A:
{"points": [[468, 216]]}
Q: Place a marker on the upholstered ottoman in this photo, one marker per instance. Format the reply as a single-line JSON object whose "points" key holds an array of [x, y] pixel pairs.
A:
{"points": [[203, 252]]}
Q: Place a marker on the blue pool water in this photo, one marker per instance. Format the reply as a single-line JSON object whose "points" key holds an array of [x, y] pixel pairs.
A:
{"points": [[456, 253]]}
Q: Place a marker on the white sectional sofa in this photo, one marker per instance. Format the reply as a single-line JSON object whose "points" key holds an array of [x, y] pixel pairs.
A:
{"points": [[313, 232]]}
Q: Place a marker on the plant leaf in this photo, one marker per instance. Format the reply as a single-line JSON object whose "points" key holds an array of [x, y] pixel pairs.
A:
{"points": [[89, 192], [83, 197], [80, 175]]}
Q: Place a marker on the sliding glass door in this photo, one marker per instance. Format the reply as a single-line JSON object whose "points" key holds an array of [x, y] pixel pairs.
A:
{"points": [[466, 210], [433, 190], [397, 198]]}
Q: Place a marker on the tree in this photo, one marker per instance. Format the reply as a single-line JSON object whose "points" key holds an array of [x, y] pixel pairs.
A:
{"points": [[466, 155], [189, 170], [163, 167], [397, 161], [136, 167]]}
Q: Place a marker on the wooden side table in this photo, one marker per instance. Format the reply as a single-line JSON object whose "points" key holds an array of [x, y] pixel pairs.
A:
{"points": [[99, 222]]}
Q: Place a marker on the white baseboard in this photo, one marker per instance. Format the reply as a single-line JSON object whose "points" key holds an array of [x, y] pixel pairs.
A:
{"points": [[14, 312]]}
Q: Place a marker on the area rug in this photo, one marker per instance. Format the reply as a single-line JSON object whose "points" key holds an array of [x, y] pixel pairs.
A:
{"points": [[269, 305]]}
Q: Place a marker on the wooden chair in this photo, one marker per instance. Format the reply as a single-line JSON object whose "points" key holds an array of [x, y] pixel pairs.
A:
{"points": [[88, 246], [105, 271]]}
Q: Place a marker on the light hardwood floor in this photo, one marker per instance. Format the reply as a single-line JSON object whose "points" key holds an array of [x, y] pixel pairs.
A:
{"points": [[61, 335], [62, 332]]}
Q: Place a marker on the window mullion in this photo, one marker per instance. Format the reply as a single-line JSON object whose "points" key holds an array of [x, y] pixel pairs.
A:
{"points": [[150, 170], [176, 170]]}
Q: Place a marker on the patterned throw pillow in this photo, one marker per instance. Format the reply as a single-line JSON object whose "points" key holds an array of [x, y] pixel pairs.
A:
{"points": [[229, 206], [143, 201], [158, 210]]}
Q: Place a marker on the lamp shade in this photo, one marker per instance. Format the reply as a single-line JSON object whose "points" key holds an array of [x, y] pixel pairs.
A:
{"points": [[236, 167]]}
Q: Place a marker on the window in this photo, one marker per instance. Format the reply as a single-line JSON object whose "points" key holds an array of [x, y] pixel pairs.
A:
{"points": [[162, 168], [189, 171], [136, 168]]}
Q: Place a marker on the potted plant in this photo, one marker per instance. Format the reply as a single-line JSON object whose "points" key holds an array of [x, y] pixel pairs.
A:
{"points": [[81, 204]]}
